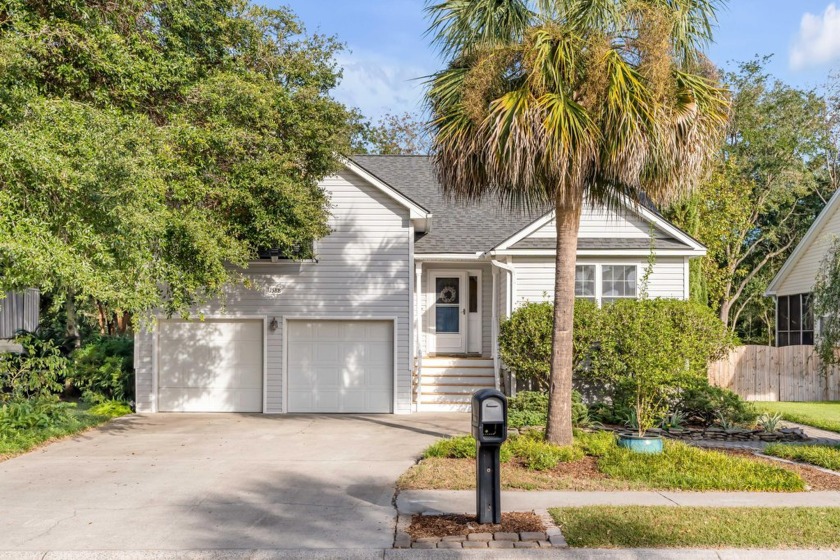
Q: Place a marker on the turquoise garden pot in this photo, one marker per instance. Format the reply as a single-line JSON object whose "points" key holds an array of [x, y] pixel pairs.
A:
{"points": [[644, 444]]}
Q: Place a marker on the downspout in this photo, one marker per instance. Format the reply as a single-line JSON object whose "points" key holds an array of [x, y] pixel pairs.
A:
{"points": [[418, 327], [497, 366]]}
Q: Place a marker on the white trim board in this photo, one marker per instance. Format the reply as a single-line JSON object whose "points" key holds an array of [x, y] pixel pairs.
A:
{"points": [[694, 246], [416, 212]]}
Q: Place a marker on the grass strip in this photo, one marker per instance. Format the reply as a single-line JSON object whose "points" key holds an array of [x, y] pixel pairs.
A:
{"points": [[824, 415], [706, 527], [826, 456], [682, 467]]}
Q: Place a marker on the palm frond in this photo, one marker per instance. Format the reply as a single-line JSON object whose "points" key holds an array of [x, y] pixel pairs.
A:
{"points": [[459, 26]]}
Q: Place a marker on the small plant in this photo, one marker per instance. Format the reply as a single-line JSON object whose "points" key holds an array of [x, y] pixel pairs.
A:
{"points": [[36, 413], [539, 455], [595, 444], [631, 420], [675, 420], [769, 422], [459, 447], [725, 422], [34, 373]]}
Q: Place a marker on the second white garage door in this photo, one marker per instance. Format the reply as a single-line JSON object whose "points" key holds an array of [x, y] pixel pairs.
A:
{"points": [[340, 366]]}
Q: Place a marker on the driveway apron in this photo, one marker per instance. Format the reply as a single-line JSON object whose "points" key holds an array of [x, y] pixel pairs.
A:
{"points": [[220, 481]]}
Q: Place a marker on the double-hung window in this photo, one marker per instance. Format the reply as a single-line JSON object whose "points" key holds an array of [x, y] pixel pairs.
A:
{"points": [[606, 283]]}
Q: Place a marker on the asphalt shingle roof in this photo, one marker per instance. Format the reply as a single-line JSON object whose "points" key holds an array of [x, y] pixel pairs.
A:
{"points": [[473, 227], [456, 227]]}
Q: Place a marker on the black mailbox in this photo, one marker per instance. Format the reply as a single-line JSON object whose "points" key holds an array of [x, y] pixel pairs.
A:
{"points": [[489, 416], [489, 428]]}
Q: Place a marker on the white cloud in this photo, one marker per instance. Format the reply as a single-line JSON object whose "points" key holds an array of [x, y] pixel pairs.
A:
{"points": [[378, 84], [818, 41]]}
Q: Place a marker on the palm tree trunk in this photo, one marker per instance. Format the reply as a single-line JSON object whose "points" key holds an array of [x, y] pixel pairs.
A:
{"points": [[559, 427]]}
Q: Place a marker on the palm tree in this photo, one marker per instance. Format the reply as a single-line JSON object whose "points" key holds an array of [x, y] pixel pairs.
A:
{"points": [[547, 103]]}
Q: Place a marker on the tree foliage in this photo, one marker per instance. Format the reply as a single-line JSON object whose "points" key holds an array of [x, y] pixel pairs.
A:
{"points": [[147, 146], [826, 303], [772, 176], [543, 104], [395, 134]]}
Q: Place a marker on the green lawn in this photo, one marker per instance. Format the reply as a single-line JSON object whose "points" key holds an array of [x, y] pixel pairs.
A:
{"points": [[677, 527], [825, 415], [595, 462], [16, 441], [825, 456]]}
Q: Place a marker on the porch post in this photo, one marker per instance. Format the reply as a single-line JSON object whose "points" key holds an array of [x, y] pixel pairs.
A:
{"points": [[420, 342]]}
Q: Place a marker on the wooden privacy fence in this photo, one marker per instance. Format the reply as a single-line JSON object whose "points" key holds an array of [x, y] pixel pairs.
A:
{"points": [[767, 373]]}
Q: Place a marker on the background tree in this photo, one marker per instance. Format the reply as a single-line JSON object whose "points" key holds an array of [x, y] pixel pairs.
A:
{"points": [[146, 146], [770, 180], [403, 134], [544, 104]]}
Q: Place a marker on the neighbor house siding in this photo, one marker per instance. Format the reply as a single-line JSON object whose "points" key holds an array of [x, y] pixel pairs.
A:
{"points": [[362, 272], [802, 273], [486, 298], [535, 276], [19, 311]]}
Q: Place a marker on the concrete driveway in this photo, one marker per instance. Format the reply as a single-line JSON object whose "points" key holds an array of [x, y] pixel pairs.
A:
{"points": [[221, 481]]}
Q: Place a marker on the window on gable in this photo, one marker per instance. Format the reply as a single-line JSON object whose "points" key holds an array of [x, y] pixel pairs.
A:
{"points": [[617, 282], [794, 320]]}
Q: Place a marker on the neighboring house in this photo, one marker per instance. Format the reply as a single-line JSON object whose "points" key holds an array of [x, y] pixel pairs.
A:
{"points": [[400, 309], [793, 284], [19, 311]]}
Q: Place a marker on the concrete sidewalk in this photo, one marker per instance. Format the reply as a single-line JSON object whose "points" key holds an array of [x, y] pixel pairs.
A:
{"points": [[463, 501], [417, 554]]}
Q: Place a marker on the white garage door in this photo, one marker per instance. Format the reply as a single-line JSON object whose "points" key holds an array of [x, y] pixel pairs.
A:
{"points": [[210, 366], [340, 366]]}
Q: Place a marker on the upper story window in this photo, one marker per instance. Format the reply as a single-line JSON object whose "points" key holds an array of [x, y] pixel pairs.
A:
{"points": [[794, 320], [606, 283]]}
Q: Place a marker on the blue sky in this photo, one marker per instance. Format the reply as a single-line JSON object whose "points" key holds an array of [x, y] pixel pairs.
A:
{"points": [[387, 51]]}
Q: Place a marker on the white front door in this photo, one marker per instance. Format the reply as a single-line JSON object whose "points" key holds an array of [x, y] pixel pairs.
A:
{"points": [[449, 311]]}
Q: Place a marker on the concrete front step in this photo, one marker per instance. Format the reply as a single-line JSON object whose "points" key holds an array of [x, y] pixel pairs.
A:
{"points": [[453, 389], [439, 379], [463, 371]]}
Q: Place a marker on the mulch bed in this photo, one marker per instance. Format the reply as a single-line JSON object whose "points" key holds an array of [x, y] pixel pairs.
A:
{"points": [[447, 525], [815, 478]]}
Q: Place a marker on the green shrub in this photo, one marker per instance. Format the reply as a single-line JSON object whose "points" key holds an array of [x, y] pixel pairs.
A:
{"points": [[458, 447], [35, 413], [34, 373], [704, 404], [530, 408], [103, 369], [595, 444], [111, 409], [525, 339], [539, 455], [825, 456]]}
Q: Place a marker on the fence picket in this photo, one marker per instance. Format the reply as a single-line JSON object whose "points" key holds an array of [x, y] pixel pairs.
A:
{"points": [[768, 373]]}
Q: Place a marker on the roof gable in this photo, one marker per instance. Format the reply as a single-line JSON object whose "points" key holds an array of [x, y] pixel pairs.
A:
{"points": [[810, 250], [478, 227]]}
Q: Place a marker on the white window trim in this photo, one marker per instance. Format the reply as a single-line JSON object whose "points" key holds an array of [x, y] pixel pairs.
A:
{"points": [[599, 279]]}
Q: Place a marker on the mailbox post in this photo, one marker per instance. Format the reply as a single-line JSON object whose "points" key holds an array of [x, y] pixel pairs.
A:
{"points": [[489, 427]]}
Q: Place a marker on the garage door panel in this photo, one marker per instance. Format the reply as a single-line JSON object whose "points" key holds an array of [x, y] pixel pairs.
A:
{"points": [[340, 366], [210, 366]]}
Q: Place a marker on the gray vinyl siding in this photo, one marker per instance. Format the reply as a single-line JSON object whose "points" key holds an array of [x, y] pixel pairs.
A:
{"points": [[19, 311], [486, 298], [535, 276], [362, 272], [802, 273]]}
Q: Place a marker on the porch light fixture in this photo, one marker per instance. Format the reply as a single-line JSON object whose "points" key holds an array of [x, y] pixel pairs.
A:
{"points": [[272, 326]]}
